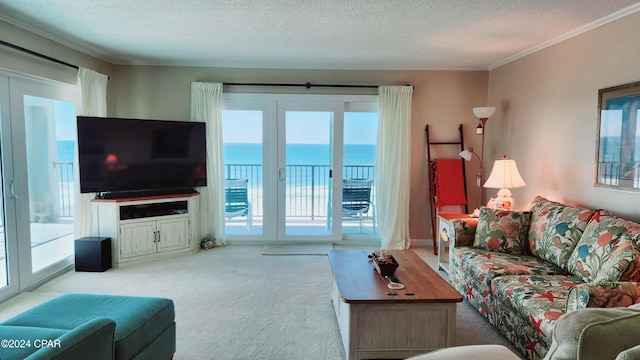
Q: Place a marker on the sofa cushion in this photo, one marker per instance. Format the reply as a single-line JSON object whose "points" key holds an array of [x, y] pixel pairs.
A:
{"points": [[555, 230], [528, 308], [139, 320], [607, 251], [459, 256], [473, 269], [581, 334], [502, 230], [484, 265]]}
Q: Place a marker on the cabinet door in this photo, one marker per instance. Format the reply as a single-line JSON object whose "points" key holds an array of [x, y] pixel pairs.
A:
{"points": [[137, 239], [174, 234]]}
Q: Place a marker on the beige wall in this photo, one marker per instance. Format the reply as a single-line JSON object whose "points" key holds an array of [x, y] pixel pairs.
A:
{"points": [[18, 61], [442, 99], [547, 115]]}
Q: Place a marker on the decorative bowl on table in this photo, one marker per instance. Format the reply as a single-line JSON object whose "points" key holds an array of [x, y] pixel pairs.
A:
{"points": [[384, 263]]}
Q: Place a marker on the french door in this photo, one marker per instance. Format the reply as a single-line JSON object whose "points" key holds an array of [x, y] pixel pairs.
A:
{"points": [[37, 143], [307, 155], [289, 149]]}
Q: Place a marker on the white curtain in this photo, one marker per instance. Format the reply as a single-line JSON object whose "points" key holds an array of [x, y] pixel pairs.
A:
{"points": [[393, 166], [91, 100], [206, 106]]}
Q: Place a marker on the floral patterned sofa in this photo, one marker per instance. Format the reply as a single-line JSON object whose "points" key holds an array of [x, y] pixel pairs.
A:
{"points": [[523, 270]]}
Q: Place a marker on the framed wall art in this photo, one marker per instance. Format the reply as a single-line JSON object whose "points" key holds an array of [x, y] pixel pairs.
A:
{"points": [[618, 141]]}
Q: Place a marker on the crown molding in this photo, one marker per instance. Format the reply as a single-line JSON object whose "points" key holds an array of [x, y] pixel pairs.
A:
{"points": [[581, 30]]}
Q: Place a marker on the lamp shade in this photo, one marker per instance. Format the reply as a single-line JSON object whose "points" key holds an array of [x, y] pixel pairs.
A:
{"points": [[484, 112], [504, 175], [466, 154]]}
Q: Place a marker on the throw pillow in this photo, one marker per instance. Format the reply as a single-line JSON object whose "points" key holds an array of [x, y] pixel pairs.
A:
{"points": [[555, 230], [502, 230], [464, 231], [607, 250]]}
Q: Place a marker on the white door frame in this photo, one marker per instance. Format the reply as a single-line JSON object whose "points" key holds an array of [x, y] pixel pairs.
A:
{"points": [[19, 87]]}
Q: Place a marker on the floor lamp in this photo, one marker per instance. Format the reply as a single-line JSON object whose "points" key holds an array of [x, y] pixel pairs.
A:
{"points": [[483, 114]]}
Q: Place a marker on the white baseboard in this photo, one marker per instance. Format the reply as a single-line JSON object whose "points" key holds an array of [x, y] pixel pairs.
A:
{"points": [[422, 242]]}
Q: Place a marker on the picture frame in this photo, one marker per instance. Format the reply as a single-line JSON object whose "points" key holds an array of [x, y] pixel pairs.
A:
{"points": [[618, 139]]}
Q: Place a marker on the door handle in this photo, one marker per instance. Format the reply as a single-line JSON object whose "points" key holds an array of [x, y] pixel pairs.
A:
{"points": [[12, 189], [281, 174]]}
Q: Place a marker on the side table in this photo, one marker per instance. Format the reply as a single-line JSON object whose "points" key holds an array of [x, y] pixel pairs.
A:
{"points": [[445, 233]]}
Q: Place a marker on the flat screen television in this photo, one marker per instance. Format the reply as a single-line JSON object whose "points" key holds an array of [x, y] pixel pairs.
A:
{"points": [[133, 157]]}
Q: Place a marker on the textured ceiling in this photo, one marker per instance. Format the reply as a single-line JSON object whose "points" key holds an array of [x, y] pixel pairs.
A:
{"points": [[308, 34]]}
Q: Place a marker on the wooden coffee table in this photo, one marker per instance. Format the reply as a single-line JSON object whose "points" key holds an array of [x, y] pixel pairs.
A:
{"points": [[378, 323]]}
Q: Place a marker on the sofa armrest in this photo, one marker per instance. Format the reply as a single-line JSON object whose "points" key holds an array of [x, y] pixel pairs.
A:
{"points": [[603, 295], [463, 231], [93, 339]]}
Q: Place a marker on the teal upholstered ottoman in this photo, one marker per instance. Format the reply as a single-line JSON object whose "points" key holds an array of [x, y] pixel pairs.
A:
{"points": [[145, 327]]}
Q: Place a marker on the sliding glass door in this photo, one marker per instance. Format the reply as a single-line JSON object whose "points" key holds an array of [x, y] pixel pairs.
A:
{"points": [[38, 143], [306, 159], [246, 148], [289, 148]]}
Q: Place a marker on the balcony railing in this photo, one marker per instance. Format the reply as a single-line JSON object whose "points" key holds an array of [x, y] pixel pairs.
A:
{"points": [[64, 174], [611, 173], [307, 186]]}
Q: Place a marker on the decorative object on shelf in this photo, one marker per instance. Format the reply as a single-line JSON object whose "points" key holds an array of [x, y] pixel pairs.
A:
{"points": [[384, 263], [504, 176], [207, 243]]}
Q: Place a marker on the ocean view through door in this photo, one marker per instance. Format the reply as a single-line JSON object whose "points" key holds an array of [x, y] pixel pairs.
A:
{"points": [[286, 153], [38, 142], [305, 171]]}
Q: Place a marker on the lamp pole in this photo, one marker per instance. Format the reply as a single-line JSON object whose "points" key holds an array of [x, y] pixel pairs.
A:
{"points": [[483, 121], [483, 114]]}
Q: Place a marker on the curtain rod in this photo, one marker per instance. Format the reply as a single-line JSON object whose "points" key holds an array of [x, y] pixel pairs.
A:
{"points": [[307, 85], [31, 52]]}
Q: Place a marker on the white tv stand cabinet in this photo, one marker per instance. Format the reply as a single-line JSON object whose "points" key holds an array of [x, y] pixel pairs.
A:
{"points": [[147, 228]]}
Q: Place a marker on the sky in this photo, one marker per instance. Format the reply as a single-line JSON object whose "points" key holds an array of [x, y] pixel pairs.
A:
{"points": [[65, 120], [303, 127]]}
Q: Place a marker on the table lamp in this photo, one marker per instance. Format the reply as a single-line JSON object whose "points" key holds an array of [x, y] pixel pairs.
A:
{"points": [[504, 176]]}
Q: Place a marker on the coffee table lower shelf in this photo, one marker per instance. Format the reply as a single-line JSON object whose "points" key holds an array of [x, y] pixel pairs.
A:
{"points": [[393, 330]]}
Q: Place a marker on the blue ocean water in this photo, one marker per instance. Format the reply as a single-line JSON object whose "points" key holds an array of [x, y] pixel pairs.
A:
{"points": [[301, 154]]}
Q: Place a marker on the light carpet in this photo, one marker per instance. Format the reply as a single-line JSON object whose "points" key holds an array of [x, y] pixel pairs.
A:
{"points": [[233, 303], [296, 249]]}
